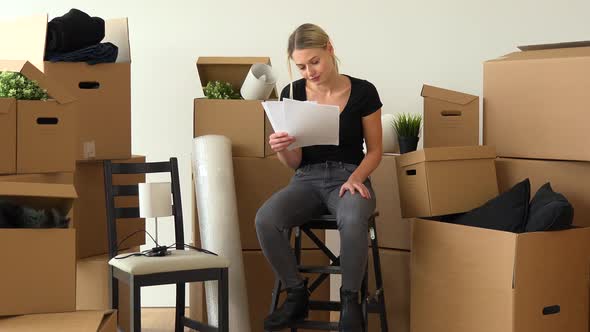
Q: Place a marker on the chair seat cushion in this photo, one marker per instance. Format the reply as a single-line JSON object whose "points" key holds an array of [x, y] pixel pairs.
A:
{"points": [[178, 260]]}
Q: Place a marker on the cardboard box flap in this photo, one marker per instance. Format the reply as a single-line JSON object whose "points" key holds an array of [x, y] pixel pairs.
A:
{"points": [[229, 69], [545, 54], [24, 39], [39, 195], [447, 153], [117, 32], [585, 43], [78, 321], [552, 245], [440, 246], [451, 96], [6, 104], [54, 90]]}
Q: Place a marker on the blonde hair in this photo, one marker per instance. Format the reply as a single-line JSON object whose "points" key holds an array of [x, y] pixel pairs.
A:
{"points": [[306, 36]]}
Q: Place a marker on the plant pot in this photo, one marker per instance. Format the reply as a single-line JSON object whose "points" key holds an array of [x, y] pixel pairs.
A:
{"points": [[408, 143]]}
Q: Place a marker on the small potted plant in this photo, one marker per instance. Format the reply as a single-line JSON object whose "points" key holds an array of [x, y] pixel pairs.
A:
{"points": [[407, 127], [15, 85], [220, 90]]}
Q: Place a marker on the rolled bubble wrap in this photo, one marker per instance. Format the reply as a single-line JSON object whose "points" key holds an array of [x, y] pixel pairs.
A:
{"points": [[218, 224]]}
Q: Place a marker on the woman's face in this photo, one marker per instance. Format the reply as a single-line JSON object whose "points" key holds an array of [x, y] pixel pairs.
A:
{"points": [[314, 64]]}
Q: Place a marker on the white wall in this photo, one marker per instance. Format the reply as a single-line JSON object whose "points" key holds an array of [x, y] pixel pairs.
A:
{"points": [[397, 45]]}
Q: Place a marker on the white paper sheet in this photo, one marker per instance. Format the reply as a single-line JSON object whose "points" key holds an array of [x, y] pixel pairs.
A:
{"points": [[310, 123]]}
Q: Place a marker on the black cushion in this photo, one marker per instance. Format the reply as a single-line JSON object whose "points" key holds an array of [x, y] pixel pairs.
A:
{"points": [[549, 211], [506, 212]]}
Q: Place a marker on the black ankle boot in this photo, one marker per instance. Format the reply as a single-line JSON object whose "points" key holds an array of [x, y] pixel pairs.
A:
{"points": [[295, 308], [351, 315]]}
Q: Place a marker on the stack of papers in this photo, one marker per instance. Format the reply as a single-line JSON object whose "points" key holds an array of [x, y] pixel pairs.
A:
{"points": [[310, 123]]}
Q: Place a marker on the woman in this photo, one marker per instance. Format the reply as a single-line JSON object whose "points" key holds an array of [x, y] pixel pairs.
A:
{"points": [[329, 177]]}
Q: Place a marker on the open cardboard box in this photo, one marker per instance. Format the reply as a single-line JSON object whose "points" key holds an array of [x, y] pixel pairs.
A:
{"points": [[103, 91], [78, 321], [242, 121], [37, 136], [38, 265], [441, 181], [467, 279], [451, 118], [535, 102]]}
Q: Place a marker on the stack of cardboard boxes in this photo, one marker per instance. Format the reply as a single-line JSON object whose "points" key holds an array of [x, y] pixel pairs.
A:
{"points": [[55, 152], [477, 279], [257, 174]]}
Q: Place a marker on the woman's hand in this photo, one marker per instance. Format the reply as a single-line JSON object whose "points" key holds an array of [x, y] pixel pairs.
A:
{"points": [[280, 141], [353, 185]]}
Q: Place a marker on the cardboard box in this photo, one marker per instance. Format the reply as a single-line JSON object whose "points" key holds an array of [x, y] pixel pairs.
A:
{"points": [[93, 288], [37, 136], [564, 177], [260, 282], [451, 118], [439, 181], [475, 279], [244, 122], [90, 217], [78, 321], [392, 231], [395, 270], [267, 176], [51, 178], [535, 103], [39, 267], [103, 91]]}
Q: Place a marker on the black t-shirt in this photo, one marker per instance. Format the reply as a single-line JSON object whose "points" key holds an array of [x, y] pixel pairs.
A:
{"points": [[363, 100]]}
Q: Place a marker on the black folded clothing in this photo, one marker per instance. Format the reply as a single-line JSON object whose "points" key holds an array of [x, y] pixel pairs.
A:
{"points": [[99, 53], [73, 31]]}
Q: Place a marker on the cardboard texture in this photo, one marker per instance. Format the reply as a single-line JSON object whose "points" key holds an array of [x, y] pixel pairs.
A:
{"points": [[244, 122], [93, 290], [475, 279], [51, 178], [260, 282], [395, 269], [90, 209], [78, 321], [564, 177], [528, 95], [267, 176], [439, 181], [103, 91], [392, 231], [28, 270], [39, 134], [451, 118]]}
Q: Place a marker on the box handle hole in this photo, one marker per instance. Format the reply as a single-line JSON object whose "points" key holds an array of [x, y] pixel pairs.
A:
{"points": [[411, 172], [451, 113], [47, 121], [551, 310], [88, 85]]}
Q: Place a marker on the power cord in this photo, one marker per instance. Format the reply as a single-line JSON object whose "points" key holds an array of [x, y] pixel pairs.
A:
{"points": [[157, 251]]}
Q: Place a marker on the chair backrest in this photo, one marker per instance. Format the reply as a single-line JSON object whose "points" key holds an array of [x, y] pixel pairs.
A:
{"points": [[112, 191]]}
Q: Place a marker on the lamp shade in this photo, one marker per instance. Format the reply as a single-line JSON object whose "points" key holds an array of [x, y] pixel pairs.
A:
{"points": [[155, 199]]}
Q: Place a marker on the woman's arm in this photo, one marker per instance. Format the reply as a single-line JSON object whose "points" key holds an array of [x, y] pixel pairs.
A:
{"points": [[372, 132], [279, 143]]}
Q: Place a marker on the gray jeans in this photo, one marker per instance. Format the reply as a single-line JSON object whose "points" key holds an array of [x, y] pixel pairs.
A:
{"points": [[312, 189]]}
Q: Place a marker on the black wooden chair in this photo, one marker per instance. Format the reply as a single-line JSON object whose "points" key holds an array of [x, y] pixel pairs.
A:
{"points": [[179, 267], [371, 303]]}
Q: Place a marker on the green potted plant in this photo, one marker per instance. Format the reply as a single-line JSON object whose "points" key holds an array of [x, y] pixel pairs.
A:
{"points": [[407, 127], [220, 90], [15, 85]]}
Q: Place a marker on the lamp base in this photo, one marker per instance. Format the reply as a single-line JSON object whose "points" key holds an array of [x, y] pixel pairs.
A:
{"points": [[158, 252]]}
